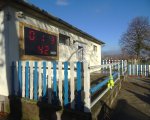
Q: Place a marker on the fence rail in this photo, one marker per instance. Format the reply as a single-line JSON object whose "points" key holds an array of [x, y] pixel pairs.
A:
{"points": [[60, 83]]}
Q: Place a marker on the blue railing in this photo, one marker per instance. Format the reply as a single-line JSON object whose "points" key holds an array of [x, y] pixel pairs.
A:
{"points": [[99, 86]]}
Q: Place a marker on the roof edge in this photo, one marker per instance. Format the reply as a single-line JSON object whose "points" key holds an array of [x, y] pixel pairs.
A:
{"points": [[41, 11]]}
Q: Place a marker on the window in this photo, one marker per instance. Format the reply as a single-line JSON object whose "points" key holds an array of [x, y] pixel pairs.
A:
{"points": [[95, 48], [64, 39]]}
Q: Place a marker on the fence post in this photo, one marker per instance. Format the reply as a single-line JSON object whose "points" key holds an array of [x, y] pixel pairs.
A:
{"points": [[40, 79], [27, 80], [12, 79], [44, 87], [115, 64], [31, 79], [55, 82], [23, 79], [72, 85], [106, 63], [109, 61], [16, 82], [110, 68], [35, 81], [130, 70], [60, 79], [87, 99], [126, 65], [20, 78], [66, 100], [141, 70], [103, 62], [145, 70], [149, 71], [137, 68], [79, 85], [122, 67], [49, 82], [133, 69], [118, 70]]}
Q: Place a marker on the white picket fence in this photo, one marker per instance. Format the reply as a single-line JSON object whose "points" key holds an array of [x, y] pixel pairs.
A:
{"points": [[133, 69], [139, 70], [63, 83], [122, 63]]}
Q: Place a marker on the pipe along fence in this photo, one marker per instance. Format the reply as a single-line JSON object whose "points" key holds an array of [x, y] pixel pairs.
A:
{"points": [[113, 72], [65, 84]]}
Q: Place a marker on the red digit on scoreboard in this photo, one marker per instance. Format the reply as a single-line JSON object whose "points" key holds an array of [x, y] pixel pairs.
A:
{"points": [[40, 49], [31, 35], [46, 49]]}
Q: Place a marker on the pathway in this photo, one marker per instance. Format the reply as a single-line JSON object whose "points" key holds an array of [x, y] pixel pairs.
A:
{"points": [[133, 101]]}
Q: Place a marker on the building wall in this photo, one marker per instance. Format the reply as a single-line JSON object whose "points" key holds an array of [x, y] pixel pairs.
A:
{"points": [[66, 53], [9, 44], [2, 54]]}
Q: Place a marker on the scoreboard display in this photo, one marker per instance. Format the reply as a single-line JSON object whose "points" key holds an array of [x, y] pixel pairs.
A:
{"points": [[39, 43]]}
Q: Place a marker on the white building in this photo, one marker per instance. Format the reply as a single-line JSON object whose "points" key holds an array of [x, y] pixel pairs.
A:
{"points": [[30, 33]]}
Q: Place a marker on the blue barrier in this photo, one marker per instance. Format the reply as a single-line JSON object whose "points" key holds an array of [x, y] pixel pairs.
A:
{"points": [[79, 85], [55, 82], [13, 78], [66, 84], [35, 81], [44, 80], [20, 78], [27, 80], [99, 86], [103, 83]]}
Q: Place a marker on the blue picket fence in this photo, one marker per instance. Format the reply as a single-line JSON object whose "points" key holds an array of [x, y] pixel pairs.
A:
{"points": [[65, 84], [34, 81]]}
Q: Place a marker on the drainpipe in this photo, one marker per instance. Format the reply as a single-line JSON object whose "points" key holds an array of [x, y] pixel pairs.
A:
{"points": [[74, 53]]}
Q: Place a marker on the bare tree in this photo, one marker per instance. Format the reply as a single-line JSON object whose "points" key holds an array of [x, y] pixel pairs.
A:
{"points": [[137, 38]]}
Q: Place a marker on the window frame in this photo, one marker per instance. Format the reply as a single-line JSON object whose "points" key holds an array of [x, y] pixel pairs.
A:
{"points": [[94, 48], [65, 40]]}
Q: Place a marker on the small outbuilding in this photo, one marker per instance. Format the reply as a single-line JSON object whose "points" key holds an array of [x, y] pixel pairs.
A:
{"points": [[30, 33]]}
